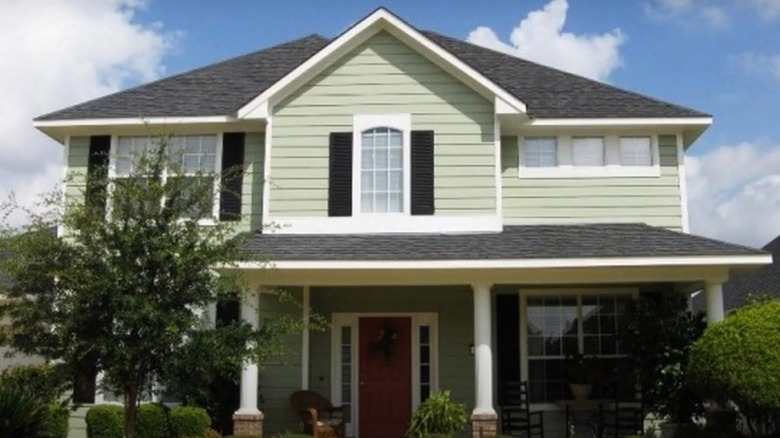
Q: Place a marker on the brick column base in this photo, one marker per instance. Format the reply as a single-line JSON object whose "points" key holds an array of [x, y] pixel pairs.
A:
{"points": [[483, 425], [248, 424]]}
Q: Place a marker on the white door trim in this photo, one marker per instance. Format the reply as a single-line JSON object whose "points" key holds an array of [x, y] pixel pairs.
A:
{"points": [[350, 319]]}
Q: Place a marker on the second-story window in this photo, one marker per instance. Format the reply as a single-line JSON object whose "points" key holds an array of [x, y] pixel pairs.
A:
{"points": [[540, 151], [382, 170], [636, 151], [587, 151], [196, 156]]}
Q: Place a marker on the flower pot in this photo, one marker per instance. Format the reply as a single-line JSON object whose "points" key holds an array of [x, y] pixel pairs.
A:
{"points": [[580, 391]]}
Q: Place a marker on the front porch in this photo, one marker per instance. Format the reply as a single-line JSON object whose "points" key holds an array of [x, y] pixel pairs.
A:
{"points": [[453, 332], [479, 310]]}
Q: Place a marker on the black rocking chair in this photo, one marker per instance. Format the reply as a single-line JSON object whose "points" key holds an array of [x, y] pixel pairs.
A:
{"points": [[517, 420]]}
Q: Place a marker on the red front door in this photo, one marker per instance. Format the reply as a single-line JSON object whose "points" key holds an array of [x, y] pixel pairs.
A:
{"points": [[385, 384]]}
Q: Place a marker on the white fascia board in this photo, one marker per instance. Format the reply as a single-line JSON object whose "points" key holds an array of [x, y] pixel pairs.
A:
{"points": [[649, 121], [128, 121], [380, 19], [607, 262]]}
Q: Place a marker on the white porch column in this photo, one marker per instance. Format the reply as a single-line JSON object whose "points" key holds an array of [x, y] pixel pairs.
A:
{"points": [[248, 420], [713, 296], [249, 313], [483, 356]]}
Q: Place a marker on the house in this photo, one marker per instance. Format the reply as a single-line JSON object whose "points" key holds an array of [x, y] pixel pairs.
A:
{"points": [[739, 289], [463, 218]]}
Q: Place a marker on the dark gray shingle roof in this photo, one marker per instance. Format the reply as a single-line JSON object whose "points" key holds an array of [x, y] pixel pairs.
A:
{"points": [[764, 280], [515, 242], [215, 90], [223, 88]]}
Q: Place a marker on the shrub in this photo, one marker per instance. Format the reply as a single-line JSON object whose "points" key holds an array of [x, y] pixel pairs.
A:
{"points": [[438, 415], [211, 433], [47, 383], [658, 337], [189, 422], [105, 421], [55, 422], [152, 421], [738, 360], [21, 414]]}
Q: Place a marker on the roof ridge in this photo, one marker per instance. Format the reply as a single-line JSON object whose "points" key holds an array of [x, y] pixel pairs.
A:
{"points": [[564, 72], [187, 72]]}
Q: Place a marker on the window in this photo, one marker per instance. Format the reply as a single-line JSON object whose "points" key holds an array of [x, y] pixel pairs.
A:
{"points": [[425, 362], [346, 367], [557, 327], [540, 151], [195, 154], [587, 151], [636, 151], [382, 171]]}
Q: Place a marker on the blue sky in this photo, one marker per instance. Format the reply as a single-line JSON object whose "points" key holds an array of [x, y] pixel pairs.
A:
{"points": [[717, 56]]}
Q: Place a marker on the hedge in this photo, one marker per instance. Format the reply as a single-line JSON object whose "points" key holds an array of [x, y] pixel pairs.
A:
{"points": [[105, 421], [55, 422], [152, 422], [189, 422]]}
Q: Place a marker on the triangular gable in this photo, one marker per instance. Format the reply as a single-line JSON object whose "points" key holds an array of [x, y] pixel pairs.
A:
{"points": [[379, 20]]}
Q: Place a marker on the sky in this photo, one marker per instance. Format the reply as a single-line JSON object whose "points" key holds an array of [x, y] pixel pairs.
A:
{"points": [[721, 57]]}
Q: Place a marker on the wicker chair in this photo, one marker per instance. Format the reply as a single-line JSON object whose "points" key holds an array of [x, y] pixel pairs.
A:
{"points": [[320, 418]]}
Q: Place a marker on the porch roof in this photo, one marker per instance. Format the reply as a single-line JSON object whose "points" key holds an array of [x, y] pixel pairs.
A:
{"points": [[513, 243]]}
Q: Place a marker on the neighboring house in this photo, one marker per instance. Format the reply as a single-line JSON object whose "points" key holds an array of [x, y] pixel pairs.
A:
{"points": [[763, 282], [462, 217]]}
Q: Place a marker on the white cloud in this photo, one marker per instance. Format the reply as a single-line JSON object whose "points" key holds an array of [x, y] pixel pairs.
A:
{"points": [[540, 38], [60, 52], [758, 64], [734, 193], [766, 9], [687, 13]]}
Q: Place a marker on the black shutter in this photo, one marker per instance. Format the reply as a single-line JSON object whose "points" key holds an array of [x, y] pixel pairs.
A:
{"points": [[340, 174], [232, 176], [97, 170], [422, 173]]}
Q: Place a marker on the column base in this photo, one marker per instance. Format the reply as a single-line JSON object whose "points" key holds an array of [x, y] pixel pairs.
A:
{"points": [[483, 425], [249, 424]]}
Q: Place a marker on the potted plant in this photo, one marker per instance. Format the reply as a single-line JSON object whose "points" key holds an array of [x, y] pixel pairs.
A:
{"points": [[438, 415], [580, 372]]}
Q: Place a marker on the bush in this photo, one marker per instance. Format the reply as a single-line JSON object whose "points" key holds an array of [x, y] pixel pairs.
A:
{"points": [[658, 336], [211, 433], [21, 414], [105, 421], [55, 422], [152, 421], [738, 360], [46, 383], [438, 415], [189, 422]]}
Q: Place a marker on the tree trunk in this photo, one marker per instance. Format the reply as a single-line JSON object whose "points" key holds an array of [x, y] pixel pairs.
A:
{"points": [[131, 408]]}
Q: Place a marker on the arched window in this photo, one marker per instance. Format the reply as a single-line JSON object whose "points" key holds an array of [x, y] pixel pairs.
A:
{"points": [[381, 170]]}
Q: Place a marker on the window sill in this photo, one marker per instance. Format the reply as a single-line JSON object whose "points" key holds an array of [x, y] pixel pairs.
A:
{"points": [[589, 172]]}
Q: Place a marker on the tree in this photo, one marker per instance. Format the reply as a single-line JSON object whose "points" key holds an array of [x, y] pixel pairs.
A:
{"points": [[123, 292]]}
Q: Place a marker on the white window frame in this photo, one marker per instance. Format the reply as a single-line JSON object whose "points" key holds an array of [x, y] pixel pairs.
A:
{"points": [[112, 170], [340, 320], [364, 122], [611, 168], [587, 139], [653, 159], [631, 292]]}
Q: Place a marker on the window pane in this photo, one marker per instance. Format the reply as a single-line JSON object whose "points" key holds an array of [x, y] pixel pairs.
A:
{"points": [[588, 151], [635, 151], [382, 171], [540, 152]]}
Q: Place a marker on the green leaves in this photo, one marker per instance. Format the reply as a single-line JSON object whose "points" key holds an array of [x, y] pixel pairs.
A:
{"points": [[438, 415]]}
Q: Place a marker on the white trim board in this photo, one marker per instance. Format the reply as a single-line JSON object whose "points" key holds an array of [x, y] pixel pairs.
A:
{"points": [[605, 262], [385, 223], [381, 19], [42, 124]]}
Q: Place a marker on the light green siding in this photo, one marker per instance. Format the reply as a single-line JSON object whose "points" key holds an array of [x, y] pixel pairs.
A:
{"points": [[281, 375], [252, 189], [383, 76], [652, 200], [76, 179]]}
